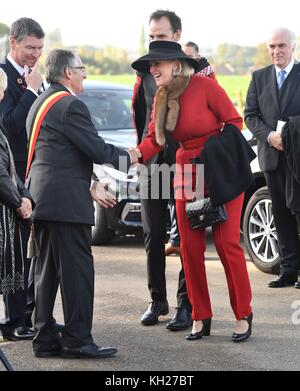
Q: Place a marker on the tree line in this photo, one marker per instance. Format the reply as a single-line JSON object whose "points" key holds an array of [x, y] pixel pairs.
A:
{"points": [[227, 58], [108, 60], [241, 60]]}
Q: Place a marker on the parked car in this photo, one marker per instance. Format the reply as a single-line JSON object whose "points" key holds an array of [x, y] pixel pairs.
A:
{"points": [[258, 226], [110, 108]]}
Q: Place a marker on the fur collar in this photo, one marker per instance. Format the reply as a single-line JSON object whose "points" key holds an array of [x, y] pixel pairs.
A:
{"points": [[166, 108]]}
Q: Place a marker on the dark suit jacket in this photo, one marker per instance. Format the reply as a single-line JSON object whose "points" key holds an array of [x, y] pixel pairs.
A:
{"points": [[291, 144], [10, 194], [14, 109], [264, 107], [61, 170]]}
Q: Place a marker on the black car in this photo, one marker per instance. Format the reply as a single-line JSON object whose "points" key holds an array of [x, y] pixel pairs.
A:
{"points": [[110, 107]]}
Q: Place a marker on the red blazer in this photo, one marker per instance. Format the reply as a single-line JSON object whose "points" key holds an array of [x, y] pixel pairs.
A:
{"points": [[204, 109]]}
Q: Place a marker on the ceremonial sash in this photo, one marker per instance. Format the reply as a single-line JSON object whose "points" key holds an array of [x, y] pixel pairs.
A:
{"points": [[39, 118]]}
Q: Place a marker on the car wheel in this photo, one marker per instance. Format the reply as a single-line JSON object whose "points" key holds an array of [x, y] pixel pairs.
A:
{"points": [[101, 233], [260, 234]]}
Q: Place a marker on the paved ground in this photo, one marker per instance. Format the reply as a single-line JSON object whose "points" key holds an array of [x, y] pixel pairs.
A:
{"points": [[121, 297]]}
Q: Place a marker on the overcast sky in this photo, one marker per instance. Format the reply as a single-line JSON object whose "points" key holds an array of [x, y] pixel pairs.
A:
{"points": [[119, 22]]}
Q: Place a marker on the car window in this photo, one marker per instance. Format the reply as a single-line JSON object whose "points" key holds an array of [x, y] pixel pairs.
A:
{"points": [[110, 109]]}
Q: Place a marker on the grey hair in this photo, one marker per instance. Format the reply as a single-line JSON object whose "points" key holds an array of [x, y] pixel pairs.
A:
{"points": [[3, 80], [56, 63], [291, 35], [24, 27], [184, 69]]}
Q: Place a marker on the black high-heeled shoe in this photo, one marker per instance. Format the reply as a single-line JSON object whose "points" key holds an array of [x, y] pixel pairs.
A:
{"points": [[205, 331], [242, 337]]}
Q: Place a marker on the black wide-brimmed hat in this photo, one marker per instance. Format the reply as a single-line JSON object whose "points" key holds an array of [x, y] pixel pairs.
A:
{"points": [[163, 51]]}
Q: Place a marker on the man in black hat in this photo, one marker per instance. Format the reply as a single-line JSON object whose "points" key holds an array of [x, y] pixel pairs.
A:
{"points": [[163, 25]]}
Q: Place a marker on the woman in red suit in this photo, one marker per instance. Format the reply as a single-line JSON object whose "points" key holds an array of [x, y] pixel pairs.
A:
{"points": [[193, 109]]}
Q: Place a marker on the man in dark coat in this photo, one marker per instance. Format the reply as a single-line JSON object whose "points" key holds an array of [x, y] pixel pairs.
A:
{"points": [[163, 25], [291, 144], [59, 180], [273, 96], [24, 82]]}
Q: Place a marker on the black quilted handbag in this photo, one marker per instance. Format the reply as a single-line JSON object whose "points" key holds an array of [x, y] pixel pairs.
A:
{"points": [[202, 213]]}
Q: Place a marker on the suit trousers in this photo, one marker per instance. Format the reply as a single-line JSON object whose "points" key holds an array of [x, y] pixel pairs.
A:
{"points": [[174, 232], [30, 301], [285, 221], [65, 259], [154, 219], [226, 237]]}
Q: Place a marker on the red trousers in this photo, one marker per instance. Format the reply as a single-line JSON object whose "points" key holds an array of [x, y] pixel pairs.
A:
{"points": [[226, 237]]}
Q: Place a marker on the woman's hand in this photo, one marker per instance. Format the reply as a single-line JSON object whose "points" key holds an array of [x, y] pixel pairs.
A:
{"points": [[25, 210]]}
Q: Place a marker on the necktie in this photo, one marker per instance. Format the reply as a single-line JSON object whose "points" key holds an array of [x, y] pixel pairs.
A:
{"points": [[281, 78]]}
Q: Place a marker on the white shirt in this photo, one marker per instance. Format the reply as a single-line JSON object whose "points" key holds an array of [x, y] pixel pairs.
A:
{"points": [[15, 65], [20, 70], [69, 89], [286, 69]]}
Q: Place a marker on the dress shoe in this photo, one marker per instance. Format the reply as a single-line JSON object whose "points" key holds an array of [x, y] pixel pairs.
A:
{"points": [[284, 279], [205, 331], [170, 249], [297, 285], [182, 320], [59, 327], [242, 337], [155, 309], [88, 351], [47, 350], [17, 334]]}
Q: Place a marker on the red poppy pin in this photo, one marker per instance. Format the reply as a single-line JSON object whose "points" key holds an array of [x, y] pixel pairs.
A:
{"points": [[21, 82]]}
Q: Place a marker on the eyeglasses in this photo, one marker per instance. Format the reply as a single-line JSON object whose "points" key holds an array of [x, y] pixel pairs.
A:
{"points": [[279, 46], [82, 68]]}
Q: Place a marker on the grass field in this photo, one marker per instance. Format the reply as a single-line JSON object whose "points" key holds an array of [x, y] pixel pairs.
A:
{"points": [[235, 86]]}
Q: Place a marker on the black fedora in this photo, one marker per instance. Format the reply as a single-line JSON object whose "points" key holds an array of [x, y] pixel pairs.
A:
{"points": [[162, 51]]}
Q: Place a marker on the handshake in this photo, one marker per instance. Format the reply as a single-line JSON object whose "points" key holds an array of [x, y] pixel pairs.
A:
{"points": [[134, 154]]}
